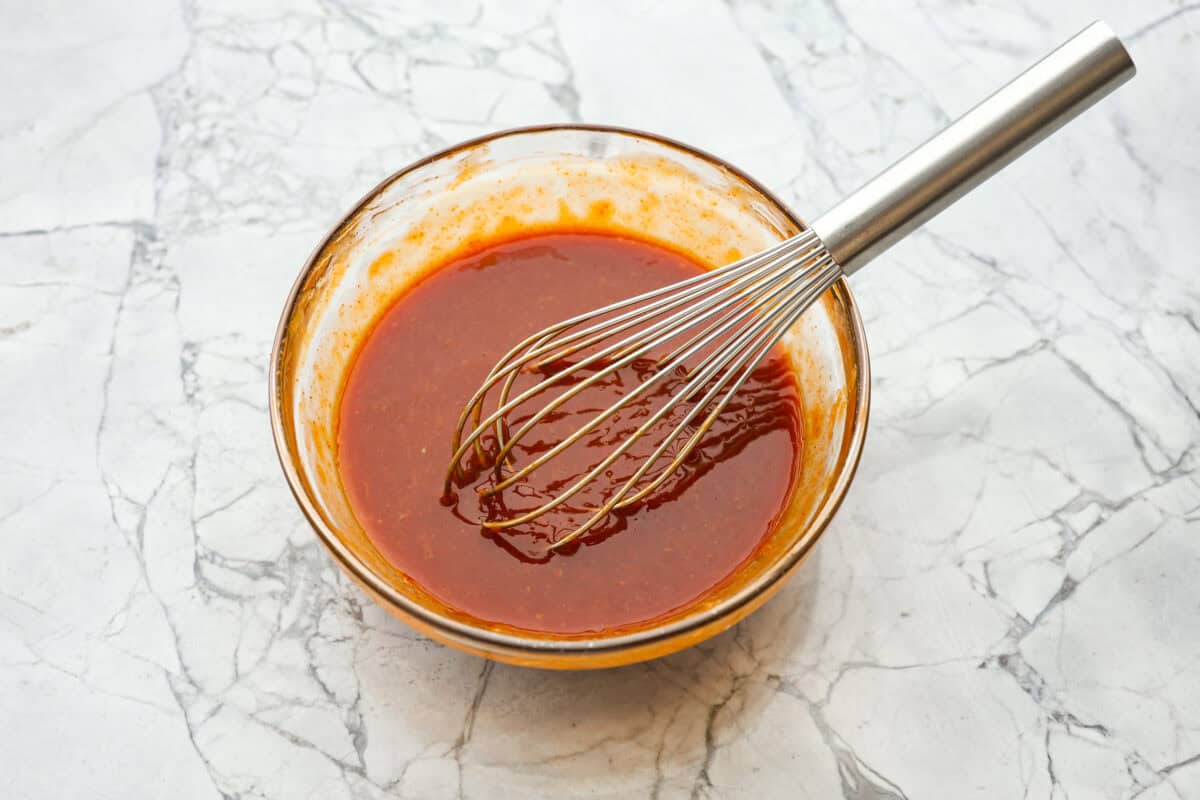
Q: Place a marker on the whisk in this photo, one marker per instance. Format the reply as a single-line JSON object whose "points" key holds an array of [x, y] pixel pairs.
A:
{"points": [[730, 318]]}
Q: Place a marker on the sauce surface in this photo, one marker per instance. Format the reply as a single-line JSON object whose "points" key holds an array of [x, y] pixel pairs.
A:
{"points": [[427, 355]]}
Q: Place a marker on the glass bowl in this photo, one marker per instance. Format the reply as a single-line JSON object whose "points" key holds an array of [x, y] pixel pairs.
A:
{"points": [[542, 178]]}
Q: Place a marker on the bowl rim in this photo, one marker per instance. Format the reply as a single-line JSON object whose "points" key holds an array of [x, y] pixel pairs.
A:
{"points": [[486, 641]]}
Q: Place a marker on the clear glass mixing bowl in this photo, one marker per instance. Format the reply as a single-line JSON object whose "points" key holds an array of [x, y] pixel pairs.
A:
{"points": [[541, 178]]}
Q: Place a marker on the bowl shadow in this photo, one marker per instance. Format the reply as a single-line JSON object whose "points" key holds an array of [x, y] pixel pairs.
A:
{"points": [[660, 721]]}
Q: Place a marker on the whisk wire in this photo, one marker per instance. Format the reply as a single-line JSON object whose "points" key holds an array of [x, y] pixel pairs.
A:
{"points": [[541, 354], [697, 343], [675, 295], [709, 368], [620, 354], [747, 273], [748, 359], [831, 274], [727, 275]]}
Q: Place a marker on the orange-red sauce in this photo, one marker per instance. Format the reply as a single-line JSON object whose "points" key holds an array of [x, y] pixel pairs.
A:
{"points": [[429, 352]]}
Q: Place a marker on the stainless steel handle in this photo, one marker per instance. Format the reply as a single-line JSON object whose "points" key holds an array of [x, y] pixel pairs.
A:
{"points": [[976, 146]]}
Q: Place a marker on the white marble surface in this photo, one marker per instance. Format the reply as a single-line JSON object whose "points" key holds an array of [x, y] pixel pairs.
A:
{"points": [[1008, 604]]}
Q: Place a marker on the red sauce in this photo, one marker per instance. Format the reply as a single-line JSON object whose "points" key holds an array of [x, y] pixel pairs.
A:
{"points": [[429, 352]]}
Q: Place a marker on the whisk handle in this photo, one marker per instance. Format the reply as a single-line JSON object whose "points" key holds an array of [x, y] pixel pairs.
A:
{"points": [[976, 146]]}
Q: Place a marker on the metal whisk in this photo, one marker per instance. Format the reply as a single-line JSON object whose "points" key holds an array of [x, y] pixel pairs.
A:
{"points": [[730, 318]]}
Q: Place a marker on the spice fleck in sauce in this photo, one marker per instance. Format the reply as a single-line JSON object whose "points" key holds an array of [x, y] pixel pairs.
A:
{"points": [[431, 350]]}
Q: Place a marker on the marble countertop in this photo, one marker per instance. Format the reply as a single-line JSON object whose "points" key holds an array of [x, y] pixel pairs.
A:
{"points": [[1007, 605]]}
